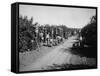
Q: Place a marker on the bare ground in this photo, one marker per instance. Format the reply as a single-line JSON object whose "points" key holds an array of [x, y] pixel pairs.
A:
{"points": [[48, 56]]}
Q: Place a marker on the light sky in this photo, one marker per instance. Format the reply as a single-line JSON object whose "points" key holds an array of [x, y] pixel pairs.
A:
{"points": [[69, 16]]}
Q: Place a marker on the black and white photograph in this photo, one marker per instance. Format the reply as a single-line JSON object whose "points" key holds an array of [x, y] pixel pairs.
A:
{"points": [[56, 37]]}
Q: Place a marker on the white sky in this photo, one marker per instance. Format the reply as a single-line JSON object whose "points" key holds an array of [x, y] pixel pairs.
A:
{"points": [[69, 16]]}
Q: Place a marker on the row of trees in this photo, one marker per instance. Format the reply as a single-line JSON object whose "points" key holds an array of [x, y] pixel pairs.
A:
{"points": [[88, 44], [29, 33], [26, 34], [89, 34]]}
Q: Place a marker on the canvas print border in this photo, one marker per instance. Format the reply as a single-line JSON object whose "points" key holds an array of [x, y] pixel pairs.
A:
{"points": [[15, 35]]}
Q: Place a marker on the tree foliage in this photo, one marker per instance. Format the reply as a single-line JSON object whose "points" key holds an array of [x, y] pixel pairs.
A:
{"points": [[89, 33], [26, 34], [88, 45], [29, 33]]}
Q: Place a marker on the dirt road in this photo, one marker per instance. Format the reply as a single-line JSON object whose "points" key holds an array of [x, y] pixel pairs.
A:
{"points": [[56, 56]]}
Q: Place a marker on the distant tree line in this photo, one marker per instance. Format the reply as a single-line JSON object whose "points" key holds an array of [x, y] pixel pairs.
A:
{"points": [[30, 33]]}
